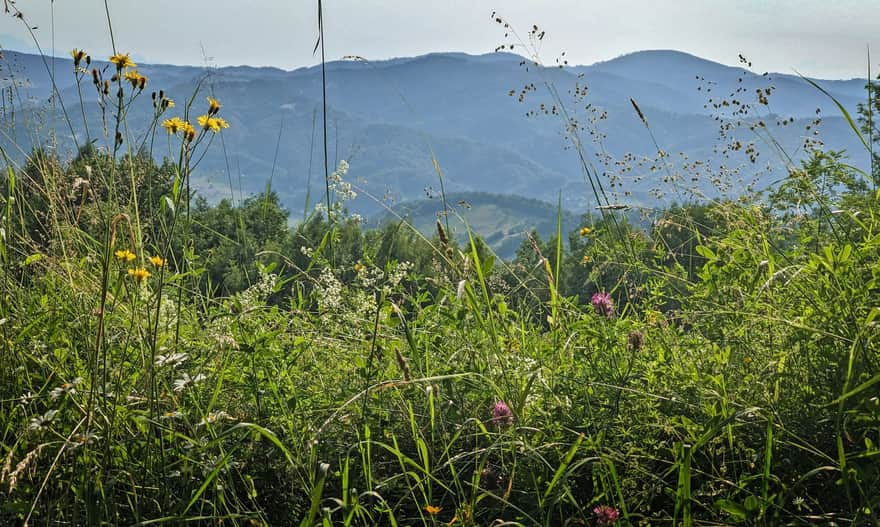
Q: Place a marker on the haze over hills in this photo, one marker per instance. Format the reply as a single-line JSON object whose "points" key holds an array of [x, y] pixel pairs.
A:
{"points": [[389, 118], [501, 220]]}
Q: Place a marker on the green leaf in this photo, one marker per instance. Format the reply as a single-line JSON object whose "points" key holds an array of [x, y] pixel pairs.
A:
{"points": [[706, 252], [737, 510], [857, 390], [566, 461]]}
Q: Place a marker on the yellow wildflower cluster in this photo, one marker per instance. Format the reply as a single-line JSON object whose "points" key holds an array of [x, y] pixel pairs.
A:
{"points": [[585, 231], [137, 80], [212, 123], [213, 106], [124, 255], [78, 56], [209, 121], [122, 61], [139, 273], [176, 124], [206, 122]]}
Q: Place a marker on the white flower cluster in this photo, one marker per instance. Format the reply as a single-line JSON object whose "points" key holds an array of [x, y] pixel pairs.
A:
{"points": [[257, 294], [396, 275], [374, 277], [329, 291], [168, 312], [351, 307], [341, 190]]}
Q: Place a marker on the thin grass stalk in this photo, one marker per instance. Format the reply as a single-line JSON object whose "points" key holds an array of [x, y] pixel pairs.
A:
{"points": [[588, 169], [56, 94], [309, 172], [5, 245], [330, 218], [871, 138], [380, 301], [484, 289]]}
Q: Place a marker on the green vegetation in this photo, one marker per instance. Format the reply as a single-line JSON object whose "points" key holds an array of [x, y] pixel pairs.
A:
{"points": [[171, 361]]}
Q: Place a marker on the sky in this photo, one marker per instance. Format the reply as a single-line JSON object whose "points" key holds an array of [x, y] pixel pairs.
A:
{"points": [[817, 38]]}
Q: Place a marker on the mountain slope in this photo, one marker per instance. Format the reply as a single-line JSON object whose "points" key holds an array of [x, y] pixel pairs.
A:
{"points": [[392, 119], [503, 221]]}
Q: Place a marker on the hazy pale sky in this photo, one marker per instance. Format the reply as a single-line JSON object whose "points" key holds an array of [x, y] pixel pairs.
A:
{"points": [[820, 38]]}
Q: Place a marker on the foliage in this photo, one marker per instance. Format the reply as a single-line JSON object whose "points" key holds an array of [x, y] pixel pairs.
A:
{"points": [[172, 360]]}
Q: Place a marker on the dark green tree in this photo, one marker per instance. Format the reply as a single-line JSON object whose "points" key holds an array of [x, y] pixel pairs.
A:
{"points": [[233, 240]]}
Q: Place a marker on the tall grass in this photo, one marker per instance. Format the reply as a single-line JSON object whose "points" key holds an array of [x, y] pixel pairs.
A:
{"points": [[731, 378]]}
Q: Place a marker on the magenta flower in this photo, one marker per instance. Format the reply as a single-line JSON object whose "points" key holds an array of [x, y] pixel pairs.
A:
{"points": [[602, 304], [606, 515], [501, 414]]}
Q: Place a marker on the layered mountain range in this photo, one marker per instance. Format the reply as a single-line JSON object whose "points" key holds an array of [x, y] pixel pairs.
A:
{"points": [[651, 127]]}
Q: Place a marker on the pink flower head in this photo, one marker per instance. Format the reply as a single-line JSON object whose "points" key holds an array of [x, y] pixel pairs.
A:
{"points": [[602, 304], [501, 414], [606, 515]]}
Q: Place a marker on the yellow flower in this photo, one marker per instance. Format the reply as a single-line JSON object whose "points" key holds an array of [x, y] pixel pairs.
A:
{"points": [[136, 79], [139, 273], [585, 231], [213, 106], [122, 61], [212, 123], [157, 260], [359, 268], [124, 255], [176, 124], [189, 133], [433, 510], [586, 259], [78, 55], [173, 125]]}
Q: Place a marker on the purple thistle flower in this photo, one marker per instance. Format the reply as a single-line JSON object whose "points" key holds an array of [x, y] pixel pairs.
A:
{"points": [[606, 515], [501, 414], [602, 304]]}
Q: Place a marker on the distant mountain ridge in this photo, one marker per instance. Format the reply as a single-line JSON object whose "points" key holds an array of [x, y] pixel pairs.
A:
{"points": [[503, 221], [391, 118]]}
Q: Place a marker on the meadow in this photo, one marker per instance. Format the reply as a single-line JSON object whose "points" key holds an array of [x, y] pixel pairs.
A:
{"points": [[169, 361]]}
